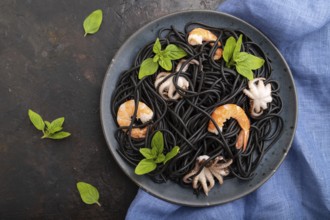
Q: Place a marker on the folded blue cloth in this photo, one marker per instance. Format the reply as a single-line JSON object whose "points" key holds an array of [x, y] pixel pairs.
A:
{"points": [[300, 189]]}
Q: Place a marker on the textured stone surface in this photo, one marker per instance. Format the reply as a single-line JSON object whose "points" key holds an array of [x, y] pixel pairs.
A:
{"points": [[47, 65]]}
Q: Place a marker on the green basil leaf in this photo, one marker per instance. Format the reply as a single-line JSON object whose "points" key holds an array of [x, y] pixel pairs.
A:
{"points": [[157, 47], [88, 193], [56, 125], [156, 58], [229, 48], [250, 61], [175, 150], [157, 143], [36, 120], [93, 22], [244, 70], [146, 152], [238, 46], [230, 63], [166, 63], [47, 124], [174, 52], [58, 135], [163, 54], [54, 130], [145, 166], [154, 152], [148, 67], [58, 122], [160, 158]]}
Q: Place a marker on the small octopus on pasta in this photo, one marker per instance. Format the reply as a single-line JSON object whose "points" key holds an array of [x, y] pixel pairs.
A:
{"points": [[167, 88], [259, 94], [218, 167]]}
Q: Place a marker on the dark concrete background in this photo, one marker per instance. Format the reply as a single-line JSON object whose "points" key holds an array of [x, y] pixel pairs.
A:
{"points": [[47, 65]]}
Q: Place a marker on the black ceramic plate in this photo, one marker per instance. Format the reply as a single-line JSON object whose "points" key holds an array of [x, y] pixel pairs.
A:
{"points": [[233, 188]]}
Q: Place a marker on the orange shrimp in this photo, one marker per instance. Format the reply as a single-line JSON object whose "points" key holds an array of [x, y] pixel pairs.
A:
{"points": [[224, 112], [125, 113], [198, 35]]}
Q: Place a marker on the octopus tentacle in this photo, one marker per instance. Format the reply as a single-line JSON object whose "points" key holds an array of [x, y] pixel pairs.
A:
{"points": [[204, 184], [218, 176]]}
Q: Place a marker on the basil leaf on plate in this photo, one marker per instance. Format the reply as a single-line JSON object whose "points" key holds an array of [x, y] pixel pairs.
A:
{"points": [[157, 143], [160, 158], [249, 60], [148, 67], [157, 47], [175, 150], [244, 71], [147, 153], [174, 52], [145, 166], [229, 48], [166, 63]]}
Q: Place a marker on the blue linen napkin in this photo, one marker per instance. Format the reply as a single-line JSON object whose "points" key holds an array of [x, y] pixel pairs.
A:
{"points": [[300, 188]]}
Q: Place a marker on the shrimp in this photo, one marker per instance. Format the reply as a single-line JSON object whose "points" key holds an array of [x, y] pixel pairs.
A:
{"points": [[224, 112], [198, 35], [125, 113]]}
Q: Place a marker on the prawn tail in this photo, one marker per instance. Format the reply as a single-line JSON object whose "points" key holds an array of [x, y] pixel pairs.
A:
{"points": [[242, 139]]}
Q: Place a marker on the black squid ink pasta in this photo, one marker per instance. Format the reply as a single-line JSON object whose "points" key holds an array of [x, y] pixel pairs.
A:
{"points": [[184, 122]]}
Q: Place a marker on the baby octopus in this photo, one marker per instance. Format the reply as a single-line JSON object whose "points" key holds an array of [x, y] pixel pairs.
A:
{"points": [[218, 167], [259, 95], [167, 88]]}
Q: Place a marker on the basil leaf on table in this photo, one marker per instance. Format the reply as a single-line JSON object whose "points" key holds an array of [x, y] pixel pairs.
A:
{"points": [[53, 130], [88, 193], [55, 125], [92, 22], [58, 135], [50, 130], [36, 120], [47, 123]]}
